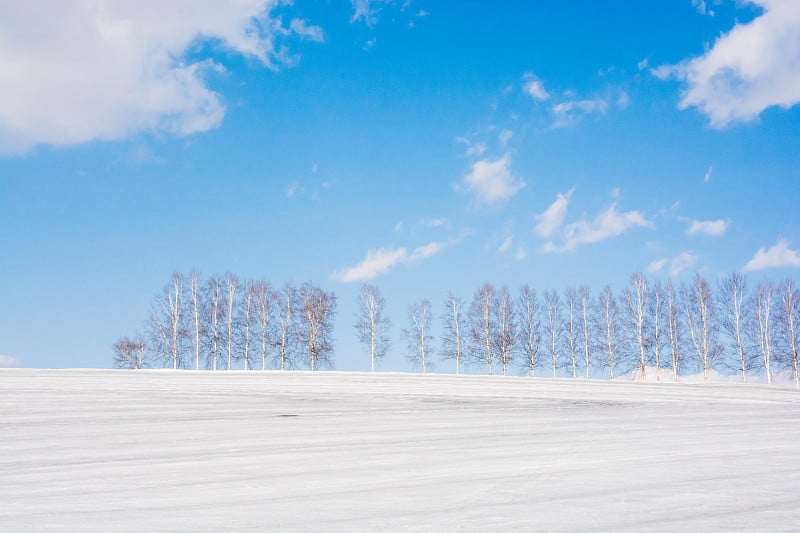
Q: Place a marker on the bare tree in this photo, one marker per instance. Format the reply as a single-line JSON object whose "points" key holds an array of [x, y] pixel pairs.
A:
{"points": [[129, 353], [481, 324], [634, 301], [417, 334], [762, 303], [212, 318], [166, 321], [317, 311], [505, 337], [788, 321], [231, 285], [571, 300], [673, 328], [372, 324], [530, 326], [699, 308], [585, 296], [656, 321], [194, 297], [608, 325], [286, 303], [552, 305], [265, 309], [452, 325], [733, 295], [246, 320]]}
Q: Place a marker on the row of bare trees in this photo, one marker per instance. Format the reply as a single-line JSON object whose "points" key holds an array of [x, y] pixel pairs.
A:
{"points": [[223, 322], [648, 326]]}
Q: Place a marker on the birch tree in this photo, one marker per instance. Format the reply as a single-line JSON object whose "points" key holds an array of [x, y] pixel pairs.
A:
{"points": [[482, 325], [732, 297], [166, 321], [656, 322], [505, 337], [585, 296], [286, 303], [417, 334], [552, 305], [608, 325], [317, 311], [265, 310], [372, 324], [212, 317], [453, 330], [634, 301], [788, 321], [231, 286], [530, 328], [673, 327], [195, 308], [699, 308], [571, 300], [763, 326], [247, 310], [129, 353]]}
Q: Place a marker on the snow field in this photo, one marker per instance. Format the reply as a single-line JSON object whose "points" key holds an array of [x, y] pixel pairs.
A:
{"points": [[99, 450]]}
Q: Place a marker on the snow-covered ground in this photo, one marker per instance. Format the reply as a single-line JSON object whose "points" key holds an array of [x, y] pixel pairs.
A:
{"points": [[93, 450]]}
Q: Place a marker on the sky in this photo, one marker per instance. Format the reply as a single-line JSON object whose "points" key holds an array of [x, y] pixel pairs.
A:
{"points": [[424, 147]]}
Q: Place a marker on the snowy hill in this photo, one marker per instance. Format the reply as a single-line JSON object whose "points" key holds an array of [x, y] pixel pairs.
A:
{"points": [[89, 450]]}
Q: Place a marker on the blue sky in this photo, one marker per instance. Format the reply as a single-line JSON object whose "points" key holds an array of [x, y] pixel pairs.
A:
{"points": [[423, 146]]}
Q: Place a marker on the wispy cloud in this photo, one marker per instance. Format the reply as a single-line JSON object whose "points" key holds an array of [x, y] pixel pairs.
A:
{"points": [[714, 228], [778, 256], [7, 360], [473, 148], [732, 81], [676, 264], [128, 72], [294, 189], [608, 223], [382, 260], [702, 8], [707, 176], [504, 137], [505, 246], [534, 87], [366, 11], [521, 254], [432, 222], [491, 181], [552, 217], [569, 112]]}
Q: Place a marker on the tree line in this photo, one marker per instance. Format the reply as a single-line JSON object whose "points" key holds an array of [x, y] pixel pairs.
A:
{"points": [[649, 326], [222, 320]]}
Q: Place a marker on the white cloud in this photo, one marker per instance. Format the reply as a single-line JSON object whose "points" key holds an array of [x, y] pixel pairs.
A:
{"points": [[107, 70], [474, 149], [384, 259], [7, 360], [433, 222], [623, 100], [294, 189], [521, 254], [567, 113], [425, 251], [754, 66], [422, 13], [377, 262], [366, 11], [714, 228], [505, 246], [779, 256], [607, 224], [552, 217], [707, 176], [677, 264], [505, 136], [643, 63], [398, 227], [491, 181], [534, 87], [701, 7]]}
